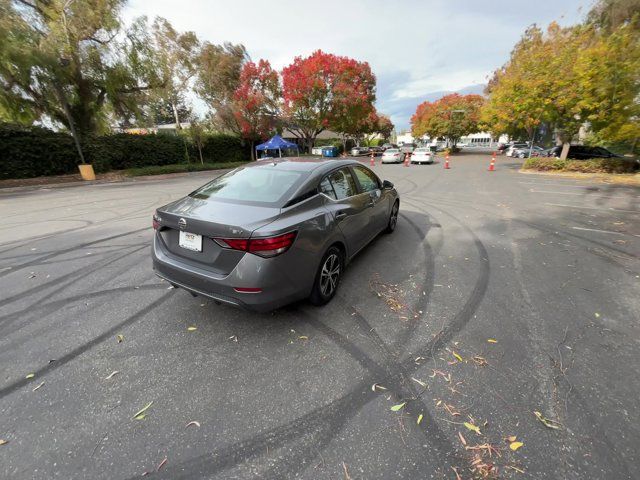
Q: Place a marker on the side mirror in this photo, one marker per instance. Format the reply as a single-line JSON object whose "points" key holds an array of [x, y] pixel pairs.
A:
{"points": [[387, 185]]}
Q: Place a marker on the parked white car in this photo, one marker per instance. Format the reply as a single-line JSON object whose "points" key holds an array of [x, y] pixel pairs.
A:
{"points": [[421, 155], [392, 155], [514, 147], [316, 151]]}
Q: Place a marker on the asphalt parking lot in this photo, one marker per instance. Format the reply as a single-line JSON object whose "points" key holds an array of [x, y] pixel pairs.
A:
{"points": [[499, 295]]}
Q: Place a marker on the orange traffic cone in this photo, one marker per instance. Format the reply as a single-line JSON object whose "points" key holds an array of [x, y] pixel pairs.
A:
{"points": [[446, 162], [492, 165], [372, 162]]}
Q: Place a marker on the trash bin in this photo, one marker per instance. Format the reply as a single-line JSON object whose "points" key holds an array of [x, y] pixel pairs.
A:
{"points": [[329, 151]]}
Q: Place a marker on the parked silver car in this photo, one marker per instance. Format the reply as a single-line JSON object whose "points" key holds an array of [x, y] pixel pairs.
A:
{"points": [[357, 151], [392, 155], [272, 232]]}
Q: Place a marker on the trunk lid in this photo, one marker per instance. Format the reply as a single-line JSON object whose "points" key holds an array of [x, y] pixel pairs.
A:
{"points": [[211, 219]]}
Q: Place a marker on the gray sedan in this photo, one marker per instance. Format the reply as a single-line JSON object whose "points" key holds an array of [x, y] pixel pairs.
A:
{"points": [[272, 232]]}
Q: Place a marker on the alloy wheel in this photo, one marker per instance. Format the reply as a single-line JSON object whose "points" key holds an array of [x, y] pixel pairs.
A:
{"points": [[393, 220], [330, 275]]}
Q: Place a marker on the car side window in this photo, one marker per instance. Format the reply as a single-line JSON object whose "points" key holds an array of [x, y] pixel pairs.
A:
{"points": [[343, 183], [327, 188], [368, 180]]}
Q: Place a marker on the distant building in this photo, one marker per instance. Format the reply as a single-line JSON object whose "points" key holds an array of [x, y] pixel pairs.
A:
{"points": [[404, 137]]}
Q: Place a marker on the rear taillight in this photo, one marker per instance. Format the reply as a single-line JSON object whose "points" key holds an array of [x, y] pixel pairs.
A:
{"points": [[264, 247], [156, 221]]}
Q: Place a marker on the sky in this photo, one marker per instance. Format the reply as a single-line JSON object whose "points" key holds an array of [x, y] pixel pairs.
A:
{"points": [[418, 50]]}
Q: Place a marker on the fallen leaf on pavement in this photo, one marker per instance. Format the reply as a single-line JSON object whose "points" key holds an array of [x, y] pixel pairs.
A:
{"points": [[455, 470], [197, 424], [419, 382], [472, 427], [3, 442], [547, 422], [141, 413], [162, 464], [377, 386], [395, 408], [492, 340], [38, 387], [597, 315], [462, 439], [419, 419], [480, 361], [120, 338], [111, 375], [512, 438], [191, 329], [515, 468], [515, 445], [303, 337], [458, 357], [31, 375]]}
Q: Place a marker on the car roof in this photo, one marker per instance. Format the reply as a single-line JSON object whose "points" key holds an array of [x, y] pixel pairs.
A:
{"points": [[303, 164]]}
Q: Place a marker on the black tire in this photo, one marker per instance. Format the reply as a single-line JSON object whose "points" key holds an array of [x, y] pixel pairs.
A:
{"points": [[393, 217], [328, 277]]}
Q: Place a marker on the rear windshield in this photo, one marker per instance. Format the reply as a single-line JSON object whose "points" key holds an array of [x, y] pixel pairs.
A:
{"points": [[391, 150], [253, 186]]}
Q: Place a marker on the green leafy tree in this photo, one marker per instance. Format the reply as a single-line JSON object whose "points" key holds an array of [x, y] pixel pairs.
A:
{"points": [[157, 111], [177, 55], [568, 78], [63, 61], [219, 69], [611, 14], [608, 76]]}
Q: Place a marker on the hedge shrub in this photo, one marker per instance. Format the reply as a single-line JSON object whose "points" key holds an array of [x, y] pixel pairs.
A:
{"points": [[594, 165], [34, 152]]}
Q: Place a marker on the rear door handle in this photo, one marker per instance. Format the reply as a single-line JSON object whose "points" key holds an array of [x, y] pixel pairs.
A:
{"points": [[340, 215]]}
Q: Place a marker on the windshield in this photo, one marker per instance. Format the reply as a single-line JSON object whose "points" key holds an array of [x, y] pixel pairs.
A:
{"points": [[257, 185]]}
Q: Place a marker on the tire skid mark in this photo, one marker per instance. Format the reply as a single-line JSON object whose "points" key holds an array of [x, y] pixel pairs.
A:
{"points": [[76, 352], [65, 301], [429, 280], [73, 275], [337, 413], [393, 375], [463, 317], [550, 230], [6, 324], [327, 422], [96, 249], [563, 234], [70, 249]]}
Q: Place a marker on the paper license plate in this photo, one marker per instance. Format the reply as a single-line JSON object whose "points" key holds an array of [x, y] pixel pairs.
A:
{"points": [[191, 241]]}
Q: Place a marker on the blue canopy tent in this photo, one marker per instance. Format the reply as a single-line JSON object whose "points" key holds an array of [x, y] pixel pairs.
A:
{"points": [[276, 143]]}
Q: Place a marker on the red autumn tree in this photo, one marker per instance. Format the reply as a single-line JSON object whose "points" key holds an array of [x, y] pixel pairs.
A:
{"points": [[256, 101], [452, 117], [326, 91]]}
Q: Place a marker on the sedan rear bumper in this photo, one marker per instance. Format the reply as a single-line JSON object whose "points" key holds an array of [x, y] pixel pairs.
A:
{"points": [[252, 271]]}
